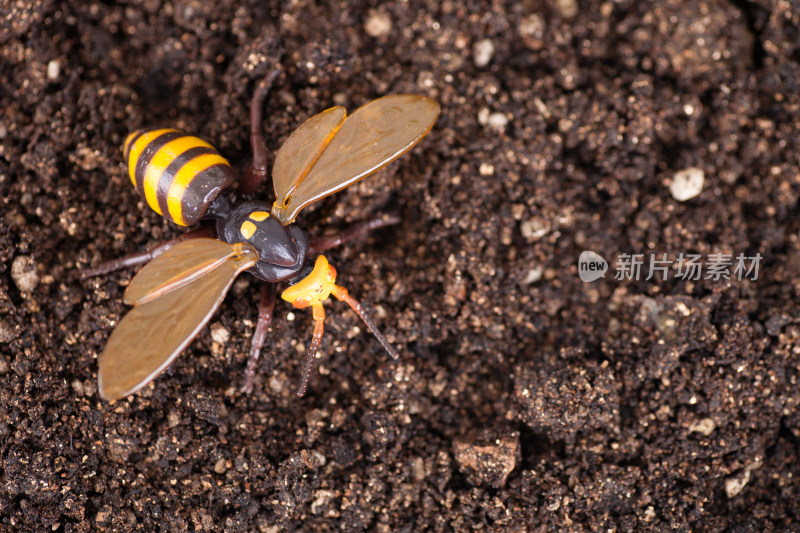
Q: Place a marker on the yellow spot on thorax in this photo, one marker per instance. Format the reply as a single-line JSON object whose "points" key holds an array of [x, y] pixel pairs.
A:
{"points": [[258, 216], [248, 229]]}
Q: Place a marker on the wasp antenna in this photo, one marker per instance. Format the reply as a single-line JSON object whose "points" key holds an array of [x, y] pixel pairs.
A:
{"points": [[316, 338], [341, 294], [258, 170], [260, 94]]}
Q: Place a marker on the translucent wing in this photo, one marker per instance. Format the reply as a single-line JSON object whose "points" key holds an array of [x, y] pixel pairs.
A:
{"points": [[180, 264], [296, 156], [376, 134], [155, 331]]}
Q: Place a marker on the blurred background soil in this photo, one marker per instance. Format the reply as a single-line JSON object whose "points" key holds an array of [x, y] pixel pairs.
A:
{"points": [[526, 399]]}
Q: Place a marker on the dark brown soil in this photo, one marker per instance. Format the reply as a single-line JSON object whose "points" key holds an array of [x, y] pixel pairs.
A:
{"points": [[526, 399]]}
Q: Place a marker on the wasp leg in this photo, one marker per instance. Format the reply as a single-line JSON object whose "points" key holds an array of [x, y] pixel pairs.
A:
{"points": [[311, 357], [264, 319], [326, 242], [258, 170], [342, 295], [147, 256]]}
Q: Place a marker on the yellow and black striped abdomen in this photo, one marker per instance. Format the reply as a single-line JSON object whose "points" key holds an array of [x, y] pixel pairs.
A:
{"points": [[178, 175]]}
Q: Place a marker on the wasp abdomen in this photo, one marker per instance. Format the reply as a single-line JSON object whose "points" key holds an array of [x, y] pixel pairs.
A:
{"points": [[177, 175]]}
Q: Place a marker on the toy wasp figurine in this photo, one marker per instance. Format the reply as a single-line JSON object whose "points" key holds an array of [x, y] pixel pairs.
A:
{"points": [[186, 279]]}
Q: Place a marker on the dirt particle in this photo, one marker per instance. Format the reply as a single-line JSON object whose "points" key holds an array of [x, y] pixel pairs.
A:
{"points": [[418, 469], [173, 418], [687, 184], [7, 332], [321, 500], [735, 484], [776, 323], [532, 30], [705, 426], [53, 69], [487, 458], [120, 447], [202, 520], [534, 229], [533, 275], [482, 52], [77, 386], [86, 158], [563, 401], [567, 8], [497, 121], [378, 24], [103, 516], [23, 272], [220, 333]]}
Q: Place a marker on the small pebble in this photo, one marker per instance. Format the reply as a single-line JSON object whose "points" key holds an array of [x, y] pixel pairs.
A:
{"points": [[378, 24], [532, 29], [7, 332], [567, 8], [482, 52], [219, 333], [53, 69], [534, 275], [77, 386], [487, 461], [322, 499], [735, 484], [23, 272], [418, 469], [534, 229], [705, 426], [497, 121], [687, 184]]}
